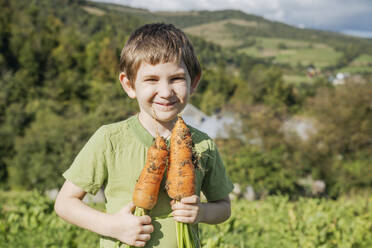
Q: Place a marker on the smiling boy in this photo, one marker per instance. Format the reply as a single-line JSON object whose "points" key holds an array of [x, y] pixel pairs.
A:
{"points": [[160, 70]]}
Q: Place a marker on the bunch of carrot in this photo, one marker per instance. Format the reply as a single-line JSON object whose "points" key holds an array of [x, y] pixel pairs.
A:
{"points": [[180, 181]]}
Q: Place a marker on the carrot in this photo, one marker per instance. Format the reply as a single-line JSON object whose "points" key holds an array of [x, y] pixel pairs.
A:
{"points": [[180, 181], [181, 172], [147, 187], [146, 190]]}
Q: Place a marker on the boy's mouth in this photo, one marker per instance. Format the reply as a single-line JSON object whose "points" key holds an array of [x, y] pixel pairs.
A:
{"points": [[165, 104]]}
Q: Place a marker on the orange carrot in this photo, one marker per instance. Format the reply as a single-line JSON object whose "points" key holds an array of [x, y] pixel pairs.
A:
{"points": [[181, 179], [147, 187], [181, 173]]}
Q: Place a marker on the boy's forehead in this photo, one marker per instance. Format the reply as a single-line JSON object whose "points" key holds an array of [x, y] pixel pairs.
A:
{"points": [[162, 67]]}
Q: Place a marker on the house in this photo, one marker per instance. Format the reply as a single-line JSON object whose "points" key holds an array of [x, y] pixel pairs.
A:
{"points": [[216, 126], [340, 79], [303, 127]]}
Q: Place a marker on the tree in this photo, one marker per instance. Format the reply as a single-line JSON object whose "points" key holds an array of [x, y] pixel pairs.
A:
{"points": [[47, 149], [341, 150]]}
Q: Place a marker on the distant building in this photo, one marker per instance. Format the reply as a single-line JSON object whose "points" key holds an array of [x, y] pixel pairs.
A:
{"points": [[312, 71], [303, 127], [226, 125], [216, 126], [340, 78]]}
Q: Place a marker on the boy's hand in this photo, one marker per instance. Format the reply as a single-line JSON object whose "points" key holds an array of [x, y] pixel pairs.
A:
{"points": [[130, 229], [188, 210]]}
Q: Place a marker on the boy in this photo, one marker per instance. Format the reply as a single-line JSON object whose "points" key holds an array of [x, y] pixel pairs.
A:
{"points": [[160, 70]]}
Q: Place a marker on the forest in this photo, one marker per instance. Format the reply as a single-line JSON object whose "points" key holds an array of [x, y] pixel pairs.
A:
{"points": [[59, 83]]}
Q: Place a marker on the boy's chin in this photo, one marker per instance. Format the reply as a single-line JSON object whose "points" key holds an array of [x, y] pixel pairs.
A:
{"points": [[166, 117]]}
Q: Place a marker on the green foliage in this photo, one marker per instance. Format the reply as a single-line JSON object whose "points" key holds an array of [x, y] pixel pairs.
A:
{"points": [[267, 172], [355, 171], [338, 146], [58, 70], [282, 45], [341, 149], [216, 87], [27, 220], [46, 150], [350, 52], [266, 85], [345, 117], [276, 221]]}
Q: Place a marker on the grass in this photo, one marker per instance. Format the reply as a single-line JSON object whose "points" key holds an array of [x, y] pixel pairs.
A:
{"points": [[363, 59], [362, 64], [320, 57], [94, 11], [293, 52], [297, 78], [356, 69], [219, 33]]}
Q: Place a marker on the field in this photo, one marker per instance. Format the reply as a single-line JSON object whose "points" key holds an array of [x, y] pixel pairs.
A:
{"points": [[27, 220], [285, 51], [218, 32], [362, 64], [297, 78]]}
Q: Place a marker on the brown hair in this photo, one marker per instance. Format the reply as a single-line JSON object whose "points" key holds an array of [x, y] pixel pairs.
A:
{"points": [[158, 43]]}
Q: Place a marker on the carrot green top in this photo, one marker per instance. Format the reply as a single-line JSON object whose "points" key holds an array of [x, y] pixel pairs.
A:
{"points": [[114, 157]]}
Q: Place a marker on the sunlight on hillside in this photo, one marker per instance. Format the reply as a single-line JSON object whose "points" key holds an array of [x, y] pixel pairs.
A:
{"points": [[219, 33]]}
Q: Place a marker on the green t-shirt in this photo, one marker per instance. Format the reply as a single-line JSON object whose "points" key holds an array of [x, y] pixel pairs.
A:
{"points": [[114, 157]]}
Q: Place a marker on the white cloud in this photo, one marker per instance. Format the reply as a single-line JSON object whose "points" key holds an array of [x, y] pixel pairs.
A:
{"points": [[326, 14]]}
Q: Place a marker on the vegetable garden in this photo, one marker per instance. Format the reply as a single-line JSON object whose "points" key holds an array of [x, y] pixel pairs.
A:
{"points": [[28, 220]]}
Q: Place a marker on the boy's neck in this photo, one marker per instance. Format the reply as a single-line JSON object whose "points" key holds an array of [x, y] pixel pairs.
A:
{"points": [[153, 126]]}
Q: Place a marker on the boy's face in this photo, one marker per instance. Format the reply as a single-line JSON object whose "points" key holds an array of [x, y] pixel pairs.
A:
{"points": [[163, 88]]}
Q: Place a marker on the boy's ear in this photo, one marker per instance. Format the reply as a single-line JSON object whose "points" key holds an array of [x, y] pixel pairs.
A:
{"points": [[127, 86], [195, 83]]}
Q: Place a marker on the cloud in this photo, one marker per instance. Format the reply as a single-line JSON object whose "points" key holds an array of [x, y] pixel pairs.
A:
{"points": [[320, 14], [365, 34]]}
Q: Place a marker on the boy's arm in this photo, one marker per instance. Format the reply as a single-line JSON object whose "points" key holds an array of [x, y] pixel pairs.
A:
{"points": [[190, 210], [122, 225], [215, 212]]}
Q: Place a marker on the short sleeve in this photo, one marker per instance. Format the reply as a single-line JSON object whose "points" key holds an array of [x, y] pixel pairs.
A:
{"points": [[216, 185], [88, 171]]}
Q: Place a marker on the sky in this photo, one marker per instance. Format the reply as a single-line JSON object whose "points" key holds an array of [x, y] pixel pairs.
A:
{"points": [[352, 17]]}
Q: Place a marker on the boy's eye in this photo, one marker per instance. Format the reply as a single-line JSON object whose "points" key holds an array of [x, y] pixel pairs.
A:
{"points": [[150, 80], [178, 79]]}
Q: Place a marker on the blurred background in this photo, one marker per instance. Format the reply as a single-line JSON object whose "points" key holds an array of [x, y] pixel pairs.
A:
{"points": [[285, 93]]}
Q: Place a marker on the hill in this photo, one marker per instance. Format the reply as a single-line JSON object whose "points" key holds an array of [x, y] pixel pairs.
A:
{"points": [[260, 38]]}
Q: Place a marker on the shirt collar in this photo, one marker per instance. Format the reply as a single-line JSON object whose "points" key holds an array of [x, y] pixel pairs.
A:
{"points": [[140, 132]]}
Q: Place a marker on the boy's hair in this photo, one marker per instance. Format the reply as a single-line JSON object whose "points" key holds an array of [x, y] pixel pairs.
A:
{"points": [[158, 43]]}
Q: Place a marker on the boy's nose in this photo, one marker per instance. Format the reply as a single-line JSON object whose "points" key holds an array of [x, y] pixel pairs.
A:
{"points": [[164, 89]]}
